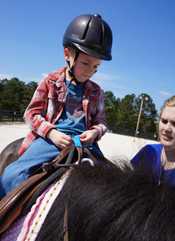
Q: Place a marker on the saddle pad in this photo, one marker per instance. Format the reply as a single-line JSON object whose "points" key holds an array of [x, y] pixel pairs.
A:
{"points": [[36, 217], [13, 232]]}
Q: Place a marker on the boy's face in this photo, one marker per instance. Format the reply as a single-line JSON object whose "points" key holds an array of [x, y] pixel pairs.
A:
{"points": [[84, 67]]}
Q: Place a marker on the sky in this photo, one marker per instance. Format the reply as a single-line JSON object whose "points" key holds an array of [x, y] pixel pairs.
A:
{"points": [[143, 53]]}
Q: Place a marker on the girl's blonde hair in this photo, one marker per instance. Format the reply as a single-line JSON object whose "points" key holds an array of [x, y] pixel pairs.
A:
{"points": [[169, 102]]}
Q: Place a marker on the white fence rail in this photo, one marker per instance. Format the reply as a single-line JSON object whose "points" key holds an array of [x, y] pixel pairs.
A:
{"points": [[114, 146]]}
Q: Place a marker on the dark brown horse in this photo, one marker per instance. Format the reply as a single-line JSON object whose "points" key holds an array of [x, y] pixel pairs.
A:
{"points": [[110, 204], [9, 154], [106, 203]]}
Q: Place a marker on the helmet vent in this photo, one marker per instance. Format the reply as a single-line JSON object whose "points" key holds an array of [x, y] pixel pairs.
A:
{"points": [[86, 29]]}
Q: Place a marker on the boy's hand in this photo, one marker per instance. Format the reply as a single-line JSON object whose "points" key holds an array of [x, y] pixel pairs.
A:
{"points": [[88, 136], [59, 139]]}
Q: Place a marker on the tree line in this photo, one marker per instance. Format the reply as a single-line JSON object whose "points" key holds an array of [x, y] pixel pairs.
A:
{"points": [[14, 98], [130, 115]]}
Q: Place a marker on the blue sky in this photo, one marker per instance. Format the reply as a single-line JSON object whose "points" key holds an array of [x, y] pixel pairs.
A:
{"points": [[143, 42]]}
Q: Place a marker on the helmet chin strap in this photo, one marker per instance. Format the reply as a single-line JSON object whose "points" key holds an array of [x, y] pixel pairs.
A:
{"points": [[71, 68]]}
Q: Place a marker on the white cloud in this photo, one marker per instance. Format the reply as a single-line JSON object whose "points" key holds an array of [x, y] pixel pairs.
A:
{"points": [[110, 83], [26, 79], [105, 77], [44, 75], [6, 76], [165, 93], [35, 79]]}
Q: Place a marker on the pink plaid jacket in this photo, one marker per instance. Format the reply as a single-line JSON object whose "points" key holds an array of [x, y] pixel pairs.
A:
{"points": [[48, 102]]}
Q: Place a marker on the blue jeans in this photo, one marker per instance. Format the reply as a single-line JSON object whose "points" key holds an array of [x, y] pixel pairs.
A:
{"points": [[40, 151]]}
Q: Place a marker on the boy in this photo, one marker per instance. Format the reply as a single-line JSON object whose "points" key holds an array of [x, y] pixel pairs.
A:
{"points": [[66, 103]]}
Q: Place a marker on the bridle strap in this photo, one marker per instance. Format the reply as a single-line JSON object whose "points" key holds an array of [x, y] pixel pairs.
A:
{"points": [[89, 154]]}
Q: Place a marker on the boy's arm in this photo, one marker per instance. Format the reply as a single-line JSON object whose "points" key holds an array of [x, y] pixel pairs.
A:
{"points": [[99, 121], [35, 114]]}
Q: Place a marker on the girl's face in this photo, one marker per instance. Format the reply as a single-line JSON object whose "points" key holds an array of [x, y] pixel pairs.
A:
{"points": [[167, 128], [84, 67]]}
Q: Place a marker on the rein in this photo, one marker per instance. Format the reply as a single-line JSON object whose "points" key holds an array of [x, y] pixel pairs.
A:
{"points": [[65, 225], [12, 205]]}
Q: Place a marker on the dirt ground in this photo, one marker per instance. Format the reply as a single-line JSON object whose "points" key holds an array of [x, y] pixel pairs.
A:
{"points": [[10, 132]]}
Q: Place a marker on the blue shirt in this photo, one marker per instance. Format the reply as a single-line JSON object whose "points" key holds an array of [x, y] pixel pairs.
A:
{"points": [[149, 157], [72, 120]]}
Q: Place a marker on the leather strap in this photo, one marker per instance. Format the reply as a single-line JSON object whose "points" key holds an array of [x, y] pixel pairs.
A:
{"points": [[65, 225], [12, 204]]}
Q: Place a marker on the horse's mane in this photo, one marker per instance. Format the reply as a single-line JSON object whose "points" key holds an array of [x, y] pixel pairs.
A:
{"points": [[110, 204]]}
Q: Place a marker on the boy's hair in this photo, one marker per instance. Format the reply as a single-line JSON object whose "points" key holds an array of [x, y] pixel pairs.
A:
{"points": [[91, 35], [170, 102]]}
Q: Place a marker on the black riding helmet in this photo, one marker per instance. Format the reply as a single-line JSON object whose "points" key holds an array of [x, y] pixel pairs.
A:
{"points": [[91, 35]]}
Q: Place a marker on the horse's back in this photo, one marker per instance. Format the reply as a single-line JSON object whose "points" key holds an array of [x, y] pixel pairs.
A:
{"points": [[9, 154]]}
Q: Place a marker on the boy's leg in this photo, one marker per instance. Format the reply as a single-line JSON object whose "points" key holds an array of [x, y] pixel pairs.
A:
{"points": [[39, 152]]}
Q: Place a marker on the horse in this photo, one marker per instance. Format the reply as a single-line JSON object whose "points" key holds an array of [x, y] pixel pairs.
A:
{"points": [[10, 153], [105, 203]]}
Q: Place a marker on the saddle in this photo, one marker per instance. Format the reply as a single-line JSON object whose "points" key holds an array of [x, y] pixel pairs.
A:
{"points": [[12, 205]]}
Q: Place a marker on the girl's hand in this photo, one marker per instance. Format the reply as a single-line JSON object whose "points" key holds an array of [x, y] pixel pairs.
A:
{"points": [[60, 139], [89, 136]]}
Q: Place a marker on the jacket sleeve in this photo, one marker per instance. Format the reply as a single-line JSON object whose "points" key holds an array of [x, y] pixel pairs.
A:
{"points": [[139, 156], [35, 114], [99, 120], [144, 158]]}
